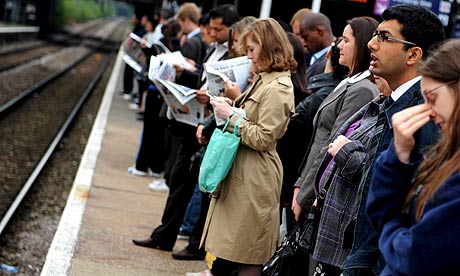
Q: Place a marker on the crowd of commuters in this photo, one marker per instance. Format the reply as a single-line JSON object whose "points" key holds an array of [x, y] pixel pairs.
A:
{"points": [[367, 120]]}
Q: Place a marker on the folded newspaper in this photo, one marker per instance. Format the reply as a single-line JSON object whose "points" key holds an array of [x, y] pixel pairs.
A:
{"points": [[160, 68], [181, 102], [140, 40], [236, 70], [134, 56]]}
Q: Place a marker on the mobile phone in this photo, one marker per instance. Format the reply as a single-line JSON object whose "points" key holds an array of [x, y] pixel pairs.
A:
{"points": [[211, 95]]}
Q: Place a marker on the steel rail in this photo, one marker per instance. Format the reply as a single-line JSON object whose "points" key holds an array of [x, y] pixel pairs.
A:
{"points": [[45, 158]]}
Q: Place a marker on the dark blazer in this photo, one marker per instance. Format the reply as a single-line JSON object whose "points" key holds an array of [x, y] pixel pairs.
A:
{"points": [[317, 67], [333, 112], [195, 49]]}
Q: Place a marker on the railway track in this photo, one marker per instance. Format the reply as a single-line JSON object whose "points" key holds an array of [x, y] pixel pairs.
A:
{"points": [[34, 119], [23, 53]]}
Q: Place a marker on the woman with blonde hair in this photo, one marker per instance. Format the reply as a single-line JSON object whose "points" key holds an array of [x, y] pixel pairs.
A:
{"points": [[242, 226]]}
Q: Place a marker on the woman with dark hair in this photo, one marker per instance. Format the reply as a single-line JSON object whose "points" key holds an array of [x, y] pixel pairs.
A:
{"points": [[346, 99], [295, 141], [417, 217], [242, 226]]}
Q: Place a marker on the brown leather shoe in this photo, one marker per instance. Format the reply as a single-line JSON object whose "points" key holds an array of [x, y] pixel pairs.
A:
{"points": [[152, 244], [189, 255]]}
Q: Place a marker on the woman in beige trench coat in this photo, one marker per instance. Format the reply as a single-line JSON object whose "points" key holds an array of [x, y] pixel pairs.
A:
{"points": [[242, 225]]}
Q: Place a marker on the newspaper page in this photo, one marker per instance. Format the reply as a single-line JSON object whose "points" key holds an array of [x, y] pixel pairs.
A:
{"points": [[236, 69], [191, 112], [177, 58], [217, 73], [160, 68], [133, 55], [140, 40]]}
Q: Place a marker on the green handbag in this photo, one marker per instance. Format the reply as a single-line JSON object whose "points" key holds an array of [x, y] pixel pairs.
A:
{"points": [[218, 157]]}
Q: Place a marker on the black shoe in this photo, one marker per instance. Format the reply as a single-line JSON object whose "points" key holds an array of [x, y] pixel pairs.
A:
{"points": [[152, 244], [189, 255]]}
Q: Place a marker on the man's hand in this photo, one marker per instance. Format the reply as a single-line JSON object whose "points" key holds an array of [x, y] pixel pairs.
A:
{"points": [[199, 135], [201, 96]]}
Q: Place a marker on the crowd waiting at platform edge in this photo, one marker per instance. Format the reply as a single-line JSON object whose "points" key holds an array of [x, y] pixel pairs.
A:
{"points": [[366, 120]]}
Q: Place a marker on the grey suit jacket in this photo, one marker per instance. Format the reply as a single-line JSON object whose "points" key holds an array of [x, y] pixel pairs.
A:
{"points": [[340, 105]]}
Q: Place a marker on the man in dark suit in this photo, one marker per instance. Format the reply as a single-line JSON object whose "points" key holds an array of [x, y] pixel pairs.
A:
{"points": [[316, 32], [181, 183]]}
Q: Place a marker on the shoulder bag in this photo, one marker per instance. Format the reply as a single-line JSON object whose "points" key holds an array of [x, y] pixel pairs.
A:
{"points": [[218, 157]]}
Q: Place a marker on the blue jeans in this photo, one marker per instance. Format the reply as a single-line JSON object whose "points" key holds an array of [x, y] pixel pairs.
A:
{"points": [[193, 211]]}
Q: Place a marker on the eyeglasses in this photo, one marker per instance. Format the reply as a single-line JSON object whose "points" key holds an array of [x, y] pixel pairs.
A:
{"points": [[426, 93], [383, 36]]}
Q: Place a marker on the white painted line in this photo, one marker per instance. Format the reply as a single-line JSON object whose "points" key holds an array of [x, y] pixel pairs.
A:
{"points": [[14, 30], [60, 253]]}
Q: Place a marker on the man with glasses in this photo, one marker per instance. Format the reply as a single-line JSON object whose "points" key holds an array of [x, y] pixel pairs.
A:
{"points": [[398, 46]]}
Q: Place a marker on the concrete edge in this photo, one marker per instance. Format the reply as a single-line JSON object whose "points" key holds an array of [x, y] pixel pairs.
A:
{"points": [[18, 29], [59, 257]]}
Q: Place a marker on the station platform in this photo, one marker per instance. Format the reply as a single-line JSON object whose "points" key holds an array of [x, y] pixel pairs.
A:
{"points": [[108, 207]]}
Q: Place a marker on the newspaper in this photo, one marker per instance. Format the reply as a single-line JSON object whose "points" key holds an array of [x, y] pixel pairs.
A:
{"points": [[134, 56], [236, 70], [177, 58], [140, 40], [182, 102], [217, 73], [160, 68]]}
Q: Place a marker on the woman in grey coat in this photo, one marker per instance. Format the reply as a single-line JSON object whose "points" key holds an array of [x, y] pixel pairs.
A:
{"points": [[342, 165]]}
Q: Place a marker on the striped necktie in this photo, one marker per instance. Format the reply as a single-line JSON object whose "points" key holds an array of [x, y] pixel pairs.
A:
{"points": [[379, 127]]}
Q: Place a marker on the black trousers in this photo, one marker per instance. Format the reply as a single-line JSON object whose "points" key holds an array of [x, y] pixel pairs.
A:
{"points": [[181, 186], [152, 149], [128, 76]]}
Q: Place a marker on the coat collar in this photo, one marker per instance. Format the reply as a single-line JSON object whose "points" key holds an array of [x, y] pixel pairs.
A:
{"points": [[263, 78]]}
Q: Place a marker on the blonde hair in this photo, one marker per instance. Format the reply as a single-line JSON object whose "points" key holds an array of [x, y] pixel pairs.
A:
{"points": [[189, 10], [300, 15], [276, 52]]}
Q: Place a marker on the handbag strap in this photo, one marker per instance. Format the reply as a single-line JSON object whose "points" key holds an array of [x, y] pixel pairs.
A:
{"points": [[235, 128], [322, 194]]}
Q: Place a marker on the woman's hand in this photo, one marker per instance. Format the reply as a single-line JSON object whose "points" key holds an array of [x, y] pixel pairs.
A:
{"points": [[338, 143], [405, 124], [232, 90], [221, 107]]}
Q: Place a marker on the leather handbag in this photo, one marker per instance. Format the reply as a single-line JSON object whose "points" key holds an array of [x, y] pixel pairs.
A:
{"points": [[309, 231], [289, 259], [218, 157]]}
